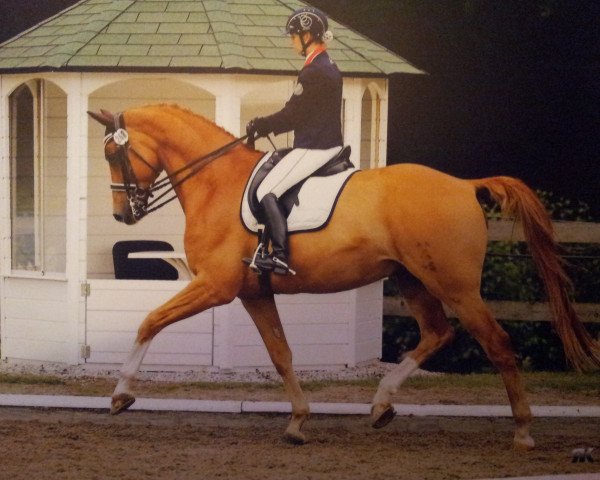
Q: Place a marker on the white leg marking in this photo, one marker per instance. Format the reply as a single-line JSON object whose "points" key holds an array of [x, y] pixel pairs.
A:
{"points": [[392, 381], [131, 367]]}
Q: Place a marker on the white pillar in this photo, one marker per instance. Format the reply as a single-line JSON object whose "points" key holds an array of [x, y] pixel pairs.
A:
{"points": [[228, 104], [4, 180], [4, 202], [352, 116], [383, 124], [77, 148], [223, 330]]}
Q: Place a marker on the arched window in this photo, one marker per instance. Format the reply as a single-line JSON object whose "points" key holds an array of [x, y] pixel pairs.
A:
{"points": [[24, 168], [38, 178]]}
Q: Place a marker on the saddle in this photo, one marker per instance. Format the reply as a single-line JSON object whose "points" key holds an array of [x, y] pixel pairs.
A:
{"points": [[309, 204]]}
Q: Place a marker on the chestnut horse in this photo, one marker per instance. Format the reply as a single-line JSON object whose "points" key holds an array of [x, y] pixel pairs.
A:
{"points": [[421, 226]]}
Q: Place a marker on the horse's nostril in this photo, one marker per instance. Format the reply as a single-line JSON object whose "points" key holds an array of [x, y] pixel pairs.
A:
{"points": [[118, 218]]}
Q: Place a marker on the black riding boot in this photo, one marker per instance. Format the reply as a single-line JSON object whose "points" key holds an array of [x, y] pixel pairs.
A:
{"points": [[276, 225]]}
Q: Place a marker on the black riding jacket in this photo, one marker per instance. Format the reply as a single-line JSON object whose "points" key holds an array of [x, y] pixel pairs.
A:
{"points": [[314, 110]]}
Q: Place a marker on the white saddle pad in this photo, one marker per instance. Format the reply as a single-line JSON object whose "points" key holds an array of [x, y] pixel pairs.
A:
{"points": [[317, 199]]}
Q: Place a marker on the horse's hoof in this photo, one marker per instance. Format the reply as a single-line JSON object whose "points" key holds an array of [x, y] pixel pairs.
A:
{"points": [[524, 444], [294, 437], [120, 403], [381, 415]]}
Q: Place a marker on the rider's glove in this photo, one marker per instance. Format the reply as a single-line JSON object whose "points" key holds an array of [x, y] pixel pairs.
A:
{"points": [[257, 128]]}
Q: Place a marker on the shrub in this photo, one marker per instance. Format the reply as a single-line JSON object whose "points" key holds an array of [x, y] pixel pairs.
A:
{"points": [[536, 346]]}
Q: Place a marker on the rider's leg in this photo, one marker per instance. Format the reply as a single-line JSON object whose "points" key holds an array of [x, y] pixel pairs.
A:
{"points": [[277, 226], [291, 169], [297, 165]]}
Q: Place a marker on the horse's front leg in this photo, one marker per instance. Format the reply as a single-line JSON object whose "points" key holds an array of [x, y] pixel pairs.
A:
{"points": [[264, 313], [196, 297]]}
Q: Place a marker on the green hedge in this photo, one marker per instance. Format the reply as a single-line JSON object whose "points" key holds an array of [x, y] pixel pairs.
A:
{"points": [[536, 345]]}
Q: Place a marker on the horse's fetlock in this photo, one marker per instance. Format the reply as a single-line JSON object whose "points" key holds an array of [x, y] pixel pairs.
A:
{"points": [[301, 414]]}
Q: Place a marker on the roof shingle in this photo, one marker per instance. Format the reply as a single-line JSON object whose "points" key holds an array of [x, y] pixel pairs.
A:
{"points": [[244, 35]]}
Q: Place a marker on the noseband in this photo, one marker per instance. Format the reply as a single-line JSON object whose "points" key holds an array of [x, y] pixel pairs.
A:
{"points": [[139, 197]]}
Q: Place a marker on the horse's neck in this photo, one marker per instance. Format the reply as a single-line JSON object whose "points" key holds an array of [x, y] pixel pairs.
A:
{"points": [[183, 138], [219, 178]]}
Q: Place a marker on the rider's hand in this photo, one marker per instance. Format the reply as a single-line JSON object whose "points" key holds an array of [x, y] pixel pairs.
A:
{"points": [[257, 128]]}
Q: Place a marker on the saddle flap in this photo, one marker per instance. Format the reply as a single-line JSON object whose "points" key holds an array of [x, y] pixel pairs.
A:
{"points": [[310, 203], [339, 163]]}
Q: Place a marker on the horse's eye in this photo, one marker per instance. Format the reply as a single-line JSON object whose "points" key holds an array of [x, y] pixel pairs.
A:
{"points": [[111, 157]]}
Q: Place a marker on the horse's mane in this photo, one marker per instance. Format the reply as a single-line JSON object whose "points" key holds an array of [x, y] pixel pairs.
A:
{"points": [[179, 111]]}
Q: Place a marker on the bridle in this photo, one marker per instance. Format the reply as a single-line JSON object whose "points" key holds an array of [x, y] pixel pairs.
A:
{"points": [[139, 198]]}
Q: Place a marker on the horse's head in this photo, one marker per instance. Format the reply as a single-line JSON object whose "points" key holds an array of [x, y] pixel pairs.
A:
{"points": [[134, 166]]}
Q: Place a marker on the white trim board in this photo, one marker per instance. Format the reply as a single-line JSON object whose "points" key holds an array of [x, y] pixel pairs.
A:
{"points": [[236, 406]]}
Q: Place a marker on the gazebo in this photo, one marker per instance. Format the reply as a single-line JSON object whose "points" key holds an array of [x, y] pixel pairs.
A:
{"points": [[225, 59]]}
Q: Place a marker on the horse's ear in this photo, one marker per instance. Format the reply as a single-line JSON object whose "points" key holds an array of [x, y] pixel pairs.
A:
{"points": [[105, 118]]}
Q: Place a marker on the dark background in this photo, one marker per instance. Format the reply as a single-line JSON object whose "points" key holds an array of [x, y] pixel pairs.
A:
{"points": [[513, 86]]}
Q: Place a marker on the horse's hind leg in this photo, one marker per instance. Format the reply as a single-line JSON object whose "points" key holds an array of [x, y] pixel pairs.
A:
{"points": [[479, 321], [264, 313], [436, 332]]}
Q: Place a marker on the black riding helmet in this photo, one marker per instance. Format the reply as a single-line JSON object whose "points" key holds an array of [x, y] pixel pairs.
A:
{"points": [[308, 19]]}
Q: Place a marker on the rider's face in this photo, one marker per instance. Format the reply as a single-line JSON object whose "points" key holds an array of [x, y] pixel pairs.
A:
{"points": [[297, 43]]}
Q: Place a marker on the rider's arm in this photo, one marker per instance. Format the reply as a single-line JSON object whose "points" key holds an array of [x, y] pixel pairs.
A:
{"points": [[296, 110]]}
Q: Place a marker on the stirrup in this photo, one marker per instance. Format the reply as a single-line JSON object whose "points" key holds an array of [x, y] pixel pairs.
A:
{"points": [[274, 265], [251, 262], [282, 268]]}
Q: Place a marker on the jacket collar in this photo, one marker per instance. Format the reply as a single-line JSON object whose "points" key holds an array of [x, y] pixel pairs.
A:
{"points": [[310, 57]]}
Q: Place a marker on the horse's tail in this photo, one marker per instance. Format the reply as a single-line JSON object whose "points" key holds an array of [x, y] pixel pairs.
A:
{"points": [[517, 199]]}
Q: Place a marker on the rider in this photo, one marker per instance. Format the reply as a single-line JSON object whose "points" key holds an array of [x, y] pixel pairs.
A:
{"points": [[314, 114]]}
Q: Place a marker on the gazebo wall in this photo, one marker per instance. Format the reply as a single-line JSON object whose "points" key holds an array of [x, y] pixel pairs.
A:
{"points": [[35, 323], [328, 330]]}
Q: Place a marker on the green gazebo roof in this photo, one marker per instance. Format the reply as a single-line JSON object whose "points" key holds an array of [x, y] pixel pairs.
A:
{"points": [[183, 35]]}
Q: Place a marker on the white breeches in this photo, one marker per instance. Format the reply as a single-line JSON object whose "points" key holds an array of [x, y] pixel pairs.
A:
{"points": [[293, 168]]}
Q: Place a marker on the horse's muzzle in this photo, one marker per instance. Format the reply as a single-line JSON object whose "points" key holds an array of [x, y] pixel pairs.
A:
{"points": [[126, 219]]}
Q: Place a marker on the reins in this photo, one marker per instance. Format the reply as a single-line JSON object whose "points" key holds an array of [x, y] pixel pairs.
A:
{"points": [[195, 166], [138, 197]]}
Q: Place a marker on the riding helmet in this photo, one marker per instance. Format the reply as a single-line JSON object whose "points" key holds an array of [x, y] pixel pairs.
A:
{"points": [[308, 19]]}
